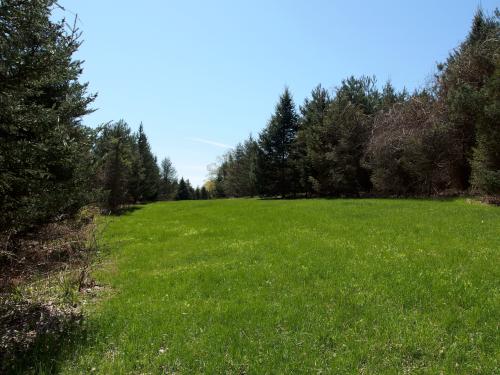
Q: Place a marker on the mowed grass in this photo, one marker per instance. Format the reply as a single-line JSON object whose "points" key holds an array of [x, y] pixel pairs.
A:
{"points": [[301, 286]]}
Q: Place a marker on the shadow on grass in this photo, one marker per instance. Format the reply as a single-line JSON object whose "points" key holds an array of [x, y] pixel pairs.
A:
{"points": [[290, 198], [38, 341], [369, 197], [49, 353], [126, 210]]}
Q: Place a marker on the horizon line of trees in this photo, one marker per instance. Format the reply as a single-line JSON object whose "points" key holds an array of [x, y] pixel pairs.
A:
{"points": [[355, 140], [358, 139]]}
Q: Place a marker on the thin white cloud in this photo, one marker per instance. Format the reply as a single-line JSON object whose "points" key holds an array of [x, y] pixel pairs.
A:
{"points": [[208, 142]]}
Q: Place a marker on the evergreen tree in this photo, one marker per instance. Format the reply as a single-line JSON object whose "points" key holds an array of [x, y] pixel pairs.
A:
{"points": [[45, 152], [350, 114], [233, 182], [314, 142], [461, 82], [204, 193], [486, 157], [278, 174], [333, 136], [197, 193], [389, 96], [249, 170], [150, 182], [137, 175], [115, 152], [237, 174], [218, 178], [183, 190], [190, 189]]}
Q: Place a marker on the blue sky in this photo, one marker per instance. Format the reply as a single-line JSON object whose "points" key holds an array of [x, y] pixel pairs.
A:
{"points": [[203, 75]]}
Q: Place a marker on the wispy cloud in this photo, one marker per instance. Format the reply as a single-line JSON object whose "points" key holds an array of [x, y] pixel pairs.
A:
{"points": [[209, 142]]}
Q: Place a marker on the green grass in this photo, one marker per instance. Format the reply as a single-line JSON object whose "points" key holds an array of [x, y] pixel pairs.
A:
{"points": [[302, 286]]}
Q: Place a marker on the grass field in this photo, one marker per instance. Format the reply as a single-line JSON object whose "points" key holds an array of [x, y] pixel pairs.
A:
{"points": [[301, 286]]}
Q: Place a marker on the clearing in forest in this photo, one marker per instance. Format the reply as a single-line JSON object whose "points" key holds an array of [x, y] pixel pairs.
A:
{"points": [[296, 286]]}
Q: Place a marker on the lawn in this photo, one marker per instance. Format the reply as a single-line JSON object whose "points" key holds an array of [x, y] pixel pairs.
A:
{"points": [[296, 286]]}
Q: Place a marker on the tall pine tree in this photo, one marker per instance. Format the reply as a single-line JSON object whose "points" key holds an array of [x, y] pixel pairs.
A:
{"points": [[461, 84], [486, 154], [183, 190], [314, 142], [45, 152], [278, 174], [115, 152], [350, 115], [149, 183]]}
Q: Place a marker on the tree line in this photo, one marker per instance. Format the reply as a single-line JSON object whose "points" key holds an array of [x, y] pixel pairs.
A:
{"points": [[355, 140], [128, 172], [51, 165], [358, 139]]}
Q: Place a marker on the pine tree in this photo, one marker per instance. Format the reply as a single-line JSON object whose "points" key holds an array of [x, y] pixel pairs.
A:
{"points": [[486, 157], [190, 189], [236, 176], [390, 96], [277, 172], [461, 82], [350, 114], [183, 190], [149, 184], [249, 168], [114, 149], [333, 135], [203, 193], [314, 142], [45, 152], [137, 175]]}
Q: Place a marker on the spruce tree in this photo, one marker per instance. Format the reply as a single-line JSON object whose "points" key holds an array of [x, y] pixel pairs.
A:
{"points": [[203, 192], [115, 152], [149, 184], [237, 173], [137, 176], [486, 156], [350, 115], [277, 172], [314, 142], [332, 138], [45, 152], [190, 189], [183, 191], [250, 162]]}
